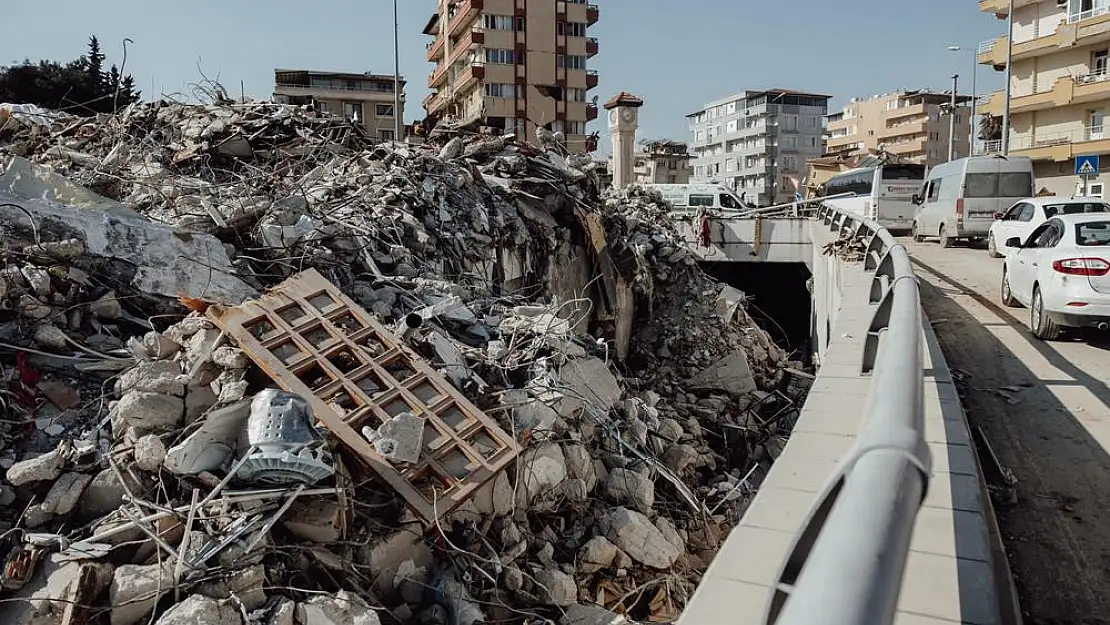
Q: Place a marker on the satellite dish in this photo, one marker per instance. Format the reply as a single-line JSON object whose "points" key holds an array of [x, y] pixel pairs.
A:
{"points": [[594, 100]]}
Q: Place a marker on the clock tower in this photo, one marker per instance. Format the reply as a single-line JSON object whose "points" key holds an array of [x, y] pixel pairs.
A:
{"points": [[624, 111]]}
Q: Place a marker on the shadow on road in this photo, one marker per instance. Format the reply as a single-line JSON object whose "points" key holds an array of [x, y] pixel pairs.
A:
{"points": [[1058, 534]]}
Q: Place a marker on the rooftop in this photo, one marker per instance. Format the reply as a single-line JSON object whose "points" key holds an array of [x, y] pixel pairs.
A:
{"points": [[308, 73]]}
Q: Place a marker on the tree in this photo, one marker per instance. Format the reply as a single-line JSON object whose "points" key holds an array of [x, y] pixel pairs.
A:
{"points": [[990, 128], [81, 86]]}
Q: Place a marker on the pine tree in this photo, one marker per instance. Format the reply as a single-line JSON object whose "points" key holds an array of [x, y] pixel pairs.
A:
{"points": [[95, 61]]}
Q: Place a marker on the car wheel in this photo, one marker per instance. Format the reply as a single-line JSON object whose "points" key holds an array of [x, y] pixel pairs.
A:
{"points": [[917, 238], [1008, 298], [945, 241], [1043, 327], [992, 247]]}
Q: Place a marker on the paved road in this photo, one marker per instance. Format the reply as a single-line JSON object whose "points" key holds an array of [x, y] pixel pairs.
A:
{"points": [[1045, 409]]}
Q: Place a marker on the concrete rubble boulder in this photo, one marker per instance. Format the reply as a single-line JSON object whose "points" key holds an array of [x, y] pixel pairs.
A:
{"points": [[637, 390]]}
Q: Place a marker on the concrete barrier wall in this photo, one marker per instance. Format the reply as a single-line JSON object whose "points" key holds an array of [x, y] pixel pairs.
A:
{"points": [[949, 575]]}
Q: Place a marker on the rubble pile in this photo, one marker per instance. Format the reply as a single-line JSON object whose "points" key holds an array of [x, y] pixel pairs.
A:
{"points": [[261, 369], [848, 247]]}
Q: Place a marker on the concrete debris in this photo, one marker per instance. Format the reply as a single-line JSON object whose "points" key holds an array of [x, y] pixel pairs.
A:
{"points": [[541, 361], [634, 534], [198, 609]]}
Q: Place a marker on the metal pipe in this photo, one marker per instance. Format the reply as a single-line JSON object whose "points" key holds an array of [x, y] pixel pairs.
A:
{"points": [[974, 101], [1009, 75], [396, 76], [952, 119]]}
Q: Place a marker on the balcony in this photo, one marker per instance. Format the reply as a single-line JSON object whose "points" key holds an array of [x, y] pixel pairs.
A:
{"points": [[591, 47], [1067, 91], [901, 130], [913, 110], [476, 72], [438, 74], [1061, 146], [593, 13], [1001, 8], [467, 11], [591, 112], [1080, 29], [435, 50], [913, 146], [591, 78], [993, 52]]}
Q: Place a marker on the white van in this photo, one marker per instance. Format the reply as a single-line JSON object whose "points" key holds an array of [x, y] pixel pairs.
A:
{"points": [[960, 199], [693, 196]]}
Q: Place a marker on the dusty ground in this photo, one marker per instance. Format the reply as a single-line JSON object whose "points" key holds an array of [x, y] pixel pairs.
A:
{"points": [[1045, 409]]}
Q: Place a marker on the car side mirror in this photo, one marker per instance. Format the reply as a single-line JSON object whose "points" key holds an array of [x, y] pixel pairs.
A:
{"points": [[1013, 242], [916, 199], [998, 215]]}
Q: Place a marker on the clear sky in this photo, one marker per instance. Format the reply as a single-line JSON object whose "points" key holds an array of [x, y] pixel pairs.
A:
{"points": [[676, 54]]}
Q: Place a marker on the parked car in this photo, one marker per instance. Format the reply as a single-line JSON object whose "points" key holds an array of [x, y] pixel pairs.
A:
{"points": [[959, 199], [1022, 218], [1062, 273]]}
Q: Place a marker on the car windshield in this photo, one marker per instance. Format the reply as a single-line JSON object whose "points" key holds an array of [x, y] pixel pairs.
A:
{"points": [[1075, 208], [1092, 233]]}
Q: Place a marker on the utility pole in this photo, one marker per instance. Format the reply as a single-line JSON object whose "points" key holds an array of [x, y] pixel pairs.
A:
{"points": [[396, 76], [952, 120], [1009, 74], [974, 102]]}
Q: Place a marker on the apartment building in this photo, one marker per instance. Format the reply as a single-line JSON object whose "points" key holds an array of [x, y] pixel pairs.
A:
{"points": [[913, 125], [1059, 86], [662, 162], [365, 97], [758, 142], [514, 65]]}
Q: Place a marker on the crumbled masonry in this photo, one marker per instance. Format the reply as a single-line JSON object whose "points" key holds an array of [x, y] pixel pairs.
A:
{"points": [[261, 368]]}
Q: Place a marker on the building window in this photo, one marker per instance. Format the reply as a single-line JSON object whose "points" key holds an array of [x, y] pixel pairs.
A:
{"points": [[571, 29], [384, 110], [570, 61], [789, 162], [502, 90], [813, 142], [576, 94], [731, 126], [352, 110], [790, 123], [386, 135], [499, 56], [789, 142], [323, 107], [575, 128], [503, 22]]}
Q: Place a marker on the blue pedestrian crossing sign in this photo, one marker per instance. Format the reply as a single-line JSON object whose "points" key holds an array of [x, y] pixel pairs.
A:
{"points": [[1086, 165]]}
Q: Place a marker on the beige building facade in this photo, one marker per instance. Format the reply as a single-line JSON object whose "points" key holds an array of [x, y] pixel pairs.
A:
{"points": [[1059, 86], [369, 98], [514, 65], [662, 162], [913, 125]]}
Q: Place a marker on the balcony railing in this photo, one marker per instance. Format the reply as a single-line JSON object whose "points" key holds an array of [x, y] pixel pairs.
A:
{"points": [[987, 47], [1079, 16], [1049, 139], [593, 13]]}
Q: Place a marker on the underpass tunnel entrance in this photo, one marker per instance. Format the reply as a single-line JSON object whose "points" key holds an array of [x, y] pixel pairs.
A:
{"points": [[779, 300]]}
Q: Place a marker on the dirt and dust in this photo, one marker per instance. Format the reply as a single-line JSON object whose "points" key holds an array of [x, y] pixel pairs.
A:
{"points": [[1045, 410]]}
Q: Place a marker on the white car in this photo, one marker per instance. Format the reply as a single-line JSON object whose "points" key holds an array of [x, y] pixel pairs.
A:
{"points": [[1062, 273], [1021, 218]]}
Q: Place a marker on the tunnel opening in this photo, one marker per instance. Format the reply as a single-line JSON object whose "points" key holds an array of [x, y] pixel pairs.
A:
{"points": [[779, 300]]}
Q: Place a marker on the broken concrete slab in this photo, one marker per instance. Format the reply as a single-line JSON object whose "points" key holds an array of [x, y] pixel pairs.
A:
{"points": [[150, 412], [730, 374], [245, 585], [165, 262], [136, 589], [401, 438], [65, 493], [343, 608], [212, 444], [150, 452], [587, 380], [559, 588], [539, 471], [41, 468], [315, 520], [635, 534], [496, 497], [598, 553], [156, 376], [591, 615], [624, 486], [198, 610]]}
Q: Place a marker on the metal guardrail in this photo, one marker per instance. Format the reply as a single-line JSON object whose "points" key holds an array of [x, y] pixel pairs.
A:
{"points": [[846, 564]]}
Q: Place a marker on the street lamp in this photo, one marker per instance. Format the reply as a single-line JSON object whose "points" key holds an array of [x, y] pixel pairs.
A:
{"points": [[974, 95], [1009, 74], [396, 76]]}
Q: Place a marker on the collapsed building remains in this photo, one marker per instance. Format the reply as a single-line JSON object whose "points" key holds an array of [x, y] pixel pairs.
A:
{"points": [[259, 368]]}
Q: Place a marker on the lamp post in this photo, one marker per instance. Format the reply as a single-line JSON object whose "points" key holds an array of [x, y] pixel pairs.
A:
{"points": [[396, 76], [1009, 74], [974, 96], [952, 119]]}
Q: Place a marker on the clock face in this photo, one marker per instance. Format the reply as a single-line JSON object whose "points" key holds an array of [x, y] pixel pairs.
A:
{"points": [[628, 114], [613, 117]]}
